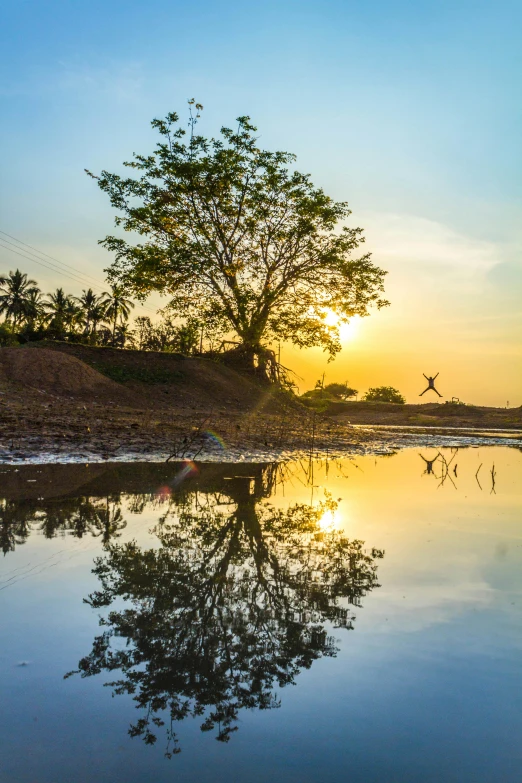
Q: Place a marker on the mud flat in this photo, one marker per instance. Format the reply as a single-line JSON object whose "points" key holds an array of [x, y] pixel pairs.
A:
{"points": [[58, 407], [69, 433]]}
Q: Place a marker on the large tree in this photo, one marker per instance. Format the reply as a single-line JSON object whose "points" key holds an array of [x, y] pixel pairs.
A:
{"points": [[233, 234]]}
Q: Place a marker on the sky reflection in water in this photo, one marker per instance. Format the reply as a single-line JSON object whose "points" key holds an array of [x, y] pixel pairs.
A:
{"points": [[243, 580]]}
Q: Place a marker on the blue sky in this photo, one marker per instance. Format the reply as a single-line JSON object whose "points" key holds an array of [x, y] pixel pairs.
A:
{"points": [[409, 111]]}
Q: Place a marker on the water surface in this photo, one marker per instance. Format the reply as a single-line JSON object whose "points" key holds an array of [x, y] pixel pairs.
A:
{"points": [[345, 620]]}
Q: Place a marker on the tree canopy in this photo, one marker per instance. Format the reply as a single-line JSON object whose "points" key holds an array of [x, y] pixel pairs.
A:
{"points": [[234, 235]]}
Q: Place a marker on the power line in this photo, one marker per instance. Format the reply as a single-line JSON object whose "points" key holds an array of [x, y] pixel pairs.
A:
{"points": [[39, 261], [41, 253], [76, 276]]}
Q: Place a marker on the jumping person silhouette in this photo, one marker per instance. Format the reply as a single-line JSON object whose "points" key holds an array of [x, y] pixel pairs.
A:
{"points": [[431, 385]]}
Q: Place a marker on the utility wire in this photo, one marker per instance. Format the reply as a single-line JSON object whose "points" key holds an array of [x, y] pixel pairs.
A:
{"points": [[77, 277], [42, 263], [45, 264], [41, 253]]}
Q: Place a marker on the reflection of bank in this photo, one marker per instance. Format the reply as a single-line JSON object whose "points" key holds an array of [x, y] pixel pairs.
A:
{"points": [[86, 500], [232, 605]]}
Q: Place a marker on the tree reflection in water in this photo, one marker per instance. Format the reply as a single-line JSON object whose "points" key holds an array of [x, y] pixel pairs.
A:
{"points": [[231, 605]]}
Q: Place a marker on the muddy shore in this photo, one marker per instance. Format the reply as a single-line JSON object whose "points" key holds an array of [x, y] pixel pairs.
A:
{"points": [[65, 405], [33, 429]]}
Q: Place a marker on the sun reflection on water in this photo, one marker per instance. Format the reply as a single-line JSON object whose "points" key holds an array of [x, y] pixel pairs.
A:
{"points": [[330, 520]]}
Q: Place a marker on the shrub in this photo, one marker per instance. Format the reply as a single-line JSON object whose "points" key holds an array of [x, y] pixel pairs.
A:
{"points": [[7, 335], [384, 394], [340, 390]]}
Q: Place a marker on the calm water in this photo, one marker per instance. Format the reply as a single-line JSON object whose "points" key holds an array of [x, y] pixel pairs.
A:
{"points": [[352, 621]]}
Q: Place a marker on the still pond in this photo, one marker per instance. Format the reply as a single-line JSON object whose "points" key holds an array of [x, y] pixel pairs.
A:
{"points": [[354, 620]]}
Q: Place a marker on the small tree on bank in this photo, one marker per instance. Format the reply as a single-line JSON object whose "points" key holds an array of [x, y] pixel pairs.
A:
{"points": [[238, 240], [384, 394], [340, 390], [332, 391]]}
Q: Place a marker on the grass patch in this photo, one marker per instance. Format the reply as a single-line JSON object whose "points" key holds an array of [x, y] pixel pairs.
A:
{"points": [[420, 418], [142, 374], [316, 404]]}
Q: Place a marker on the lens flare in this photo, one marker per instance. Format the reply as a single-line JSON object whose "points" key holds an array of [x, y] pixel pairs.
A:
{"points": [[164, 492], [217, 439], [189, 469]]}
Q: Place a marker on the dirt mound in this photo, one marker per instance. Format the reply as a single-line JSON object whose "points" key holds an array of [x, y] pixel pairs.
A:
{"points": [[58, 374], [165, 379]]}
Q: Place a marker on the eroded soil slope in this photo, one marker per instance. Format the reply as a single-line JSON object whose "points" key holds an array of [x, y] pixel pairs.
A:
{"points": [[58, 375], [161, 379], [53, 402]]}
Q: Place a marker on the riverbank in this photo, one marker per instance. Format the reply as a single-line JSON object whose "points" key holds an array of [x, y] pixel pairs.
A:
{"points": [[58, 407], [33, 429], [430, 414]]}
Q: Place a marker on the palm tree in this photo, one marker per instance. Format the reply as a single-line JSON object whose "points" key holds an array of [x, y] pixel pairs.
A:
{"points": [[116, 306], [35, 308], [124, 336], [17, 292], [91, 311], [62, 311], [97, 317]]}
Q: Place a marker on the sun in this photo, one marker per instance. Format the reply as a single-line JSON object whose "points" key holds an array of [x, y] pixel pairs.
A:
{"points": [[346, 331]]}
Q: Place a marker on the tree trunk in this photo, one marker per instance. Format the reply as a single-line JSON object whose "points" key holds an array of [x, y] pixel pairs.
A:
{"points": [[254, 359]]}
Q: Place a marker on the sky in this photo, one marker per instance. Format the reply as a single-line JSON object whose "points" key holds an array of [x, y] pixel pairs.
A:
{"points": [[411, 112]]}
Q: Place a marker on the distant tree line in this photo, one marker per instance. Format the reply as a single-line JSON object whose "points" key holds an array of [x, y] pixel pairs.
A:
{"points": [[93, 319], [335, 392]]}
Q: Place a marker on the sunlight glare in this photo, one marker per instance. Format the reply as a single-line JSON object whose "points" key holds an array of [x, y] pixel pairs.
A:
{"points": [[346, 331], [330, 520]]}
